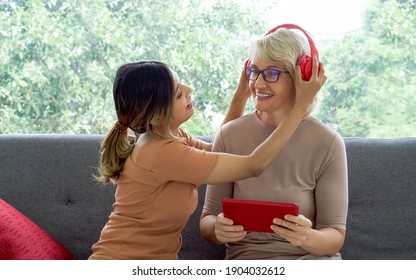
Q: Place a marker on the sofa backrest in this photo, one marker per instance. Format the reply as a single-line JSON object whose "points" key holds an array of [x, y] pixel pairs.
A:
{"points": [[382, 198], [49, 178]]}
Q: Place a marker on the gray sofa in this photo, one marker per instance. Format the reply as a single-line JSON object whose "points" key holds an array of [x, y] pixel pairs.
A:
{"points": [[49, 179]]}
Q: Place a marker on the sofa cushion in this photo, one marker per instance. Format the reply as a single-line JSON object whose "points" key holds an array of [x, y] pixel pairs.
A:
{"points": [[22, 239], [382, 187]]}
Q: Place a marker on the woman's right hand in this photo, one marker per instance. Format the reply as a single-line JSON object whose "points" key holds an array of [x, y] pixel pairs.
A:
{"points": [[243, 89], [226, 231], [307, 90]]}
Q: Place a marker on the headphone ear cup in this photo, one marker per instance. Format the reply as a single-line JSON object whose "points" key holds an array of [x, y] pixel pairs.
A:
{"points": [[305, 63]]}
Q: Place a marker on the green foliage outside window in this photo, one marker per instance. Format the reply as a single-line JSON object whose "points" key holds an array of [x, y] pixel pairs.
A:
{"points": [[371, 90], [58, 60]]}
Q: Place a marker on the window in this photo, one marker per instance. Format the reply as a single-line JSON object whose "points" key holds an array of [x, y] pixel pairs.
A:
{"points": [[58, 59]]}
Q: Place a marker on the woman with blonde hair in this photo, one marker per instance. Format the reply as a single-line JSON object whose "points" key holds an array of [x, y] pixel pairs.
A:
{"points": [[311, 170]]}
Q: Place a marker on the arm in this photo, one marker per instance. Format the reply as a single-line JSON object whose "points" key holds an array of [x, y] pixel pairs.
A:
{"points": [[235, 167], [237, 105], [330, 240], [319, 242], [213, 202], [239, 101], [331, 202]]}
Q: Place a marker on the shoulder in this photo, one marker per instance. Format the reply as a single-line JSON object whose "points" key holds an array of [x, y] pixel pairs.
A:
{"points": [[321, 134], [319, 128], [158, 147], [244, 122], [236, 128], [316, 124]]}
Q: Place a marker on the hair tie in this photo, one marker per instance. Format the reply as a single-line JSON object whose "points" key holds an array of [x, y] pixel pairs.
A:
{"points": [[120, 128]]}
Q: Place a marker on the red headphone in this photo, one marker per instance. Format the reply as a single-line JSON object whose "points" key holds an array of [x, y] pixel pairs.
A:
{"points": [[305, 60]]}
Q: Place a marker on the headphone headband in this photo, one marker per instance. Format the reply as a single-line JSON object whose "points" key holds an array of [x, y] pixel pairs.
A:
{"points": [[314, 51], [305, 60]]}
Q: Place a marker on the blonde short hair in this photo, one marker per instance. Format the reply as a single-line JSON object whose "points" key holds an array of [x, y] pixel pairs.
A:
{"points": [[283, 46]]}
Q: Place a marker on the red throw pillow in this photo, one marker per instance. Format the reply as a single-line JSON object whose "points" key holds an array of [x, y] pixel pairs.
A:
{"points": [[22, 239]]}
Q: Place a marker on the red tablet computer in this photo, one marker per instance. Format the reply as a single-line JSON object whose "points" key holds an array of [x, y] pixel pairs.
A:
{"points": [[256, 215]]}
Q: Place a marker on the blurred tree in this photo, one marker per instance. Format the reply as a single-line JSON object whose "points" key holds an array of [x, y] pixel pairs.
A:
{"points": [[372, 75], [58, 58]]}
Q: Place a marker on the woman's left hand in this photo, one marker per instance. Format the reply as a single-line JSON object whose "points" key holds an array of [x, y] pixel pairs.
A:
{"points": [[295, 229]]}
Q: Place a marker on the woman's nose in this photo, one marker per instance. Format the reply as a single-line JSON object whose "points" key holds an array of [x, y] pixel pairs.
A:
{"points": [[260, 82]]}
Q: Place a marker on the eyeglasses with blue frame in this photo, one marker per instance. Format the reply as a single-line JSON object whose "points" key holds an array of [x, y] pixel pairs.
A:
{"points": [[269, 75]]}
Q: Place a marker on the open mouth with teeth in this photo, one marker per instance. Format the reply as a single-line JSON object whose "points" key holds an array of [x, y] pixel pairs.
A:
{"points": [[260, 96]]}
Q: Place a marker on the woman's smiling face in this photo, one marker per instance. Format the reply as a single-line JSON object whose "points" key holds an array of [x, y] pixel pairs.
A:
{"points": [[278, 97], [182, 103]]}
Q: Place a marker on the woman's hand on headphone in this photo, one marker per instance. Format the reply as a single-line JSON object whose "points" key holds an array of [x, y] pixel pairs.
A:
{"points": [[307, 90], [243, 89]]}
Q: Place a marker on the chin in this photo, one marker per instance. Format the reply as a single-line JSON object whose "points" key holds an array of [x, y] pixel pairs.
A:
{"points": [[189, 115], [262, 108]]}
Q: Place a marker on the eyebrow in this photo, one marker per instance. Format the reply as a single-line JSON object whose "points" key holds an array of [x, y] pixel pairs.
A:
{"points": [[270, 67]]}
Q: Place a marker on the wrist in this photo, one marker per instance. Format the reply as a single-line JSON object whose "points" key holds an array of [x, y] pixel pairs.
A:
{"points": [[241, 96], [308, 243], [301, 109]]}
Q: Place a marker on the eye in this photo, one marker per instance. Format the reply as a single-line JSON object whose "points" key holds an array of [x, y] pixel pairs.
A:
{"points": [[179, 94], [273, 74], [254, 71], [251, 73]]}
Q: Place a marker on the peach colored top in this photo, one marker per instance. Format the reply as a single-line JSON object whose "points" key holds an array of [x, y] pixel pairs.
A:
{"points": [[154, 199]]}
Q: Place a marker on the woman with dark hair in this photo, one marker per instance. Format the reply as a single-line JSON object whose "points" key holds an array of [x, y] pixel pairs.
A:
{"points": [[157, 167]]}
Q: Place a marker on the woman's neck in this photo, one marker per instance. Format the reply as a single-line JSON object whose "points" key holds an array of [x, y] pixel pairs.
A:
{"points": [[273, 119]]}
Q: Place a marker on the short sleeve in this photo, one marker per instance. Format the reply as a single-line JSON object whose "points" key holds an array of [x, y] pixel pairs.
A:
{"points": [[332, 188], [177, 161]]}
